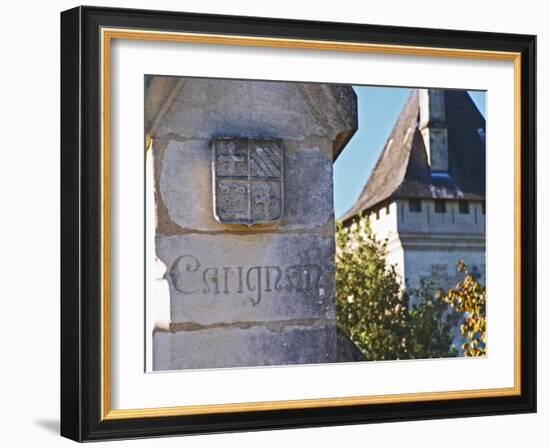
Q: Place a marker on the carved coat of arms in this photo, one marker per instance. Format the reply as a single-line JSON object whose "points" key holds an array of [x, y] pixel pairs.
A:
{"points": [[247, 179]]}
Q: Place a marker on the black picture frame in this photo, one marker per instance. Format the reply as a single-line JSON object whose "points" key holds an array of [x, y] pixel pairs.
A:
{"points": [[81, 215]]}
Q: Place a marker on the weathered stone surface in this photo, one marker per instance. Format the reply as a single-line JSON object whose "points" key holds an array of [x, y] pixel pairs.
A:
{"points": [[202, 108], [240, 109], [308, 187], [185, 188], [238, 278], [246, 345], [248, 285]]}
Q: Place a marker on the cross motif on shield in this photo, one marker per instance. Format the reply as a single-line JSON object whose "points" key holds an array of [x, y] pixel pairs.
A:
{"points": [[247, 179]]}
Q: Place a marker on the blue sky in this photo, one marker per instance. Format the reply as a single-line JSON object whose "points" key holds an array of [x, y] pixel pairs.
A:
{"points": [[378, 108]]}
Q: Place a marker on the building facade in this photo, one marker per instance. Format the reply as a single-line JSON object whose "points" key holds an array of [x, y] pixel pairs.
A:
{"points": [[426, 194]]}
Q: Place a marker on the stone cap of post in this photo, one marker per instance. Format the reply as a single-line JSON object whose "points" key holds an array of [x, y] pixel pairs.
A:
{"points": [[285, 110]]}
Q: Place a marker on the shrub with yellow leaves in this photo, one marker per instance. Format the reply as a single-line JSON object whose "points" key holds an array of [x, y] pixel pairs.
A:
{"points": [[469, 298]]}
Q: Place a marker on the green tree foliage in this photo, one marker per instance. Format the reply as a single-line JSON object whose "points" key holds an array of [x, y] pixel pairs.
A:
{"points": [[469, 298], [432, 322], [373, 310], [369, 306]]}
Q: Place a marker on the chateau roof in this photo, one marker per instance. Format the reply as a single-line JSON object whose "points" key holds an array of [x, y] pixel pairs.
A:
{"points": [[403, 169]]}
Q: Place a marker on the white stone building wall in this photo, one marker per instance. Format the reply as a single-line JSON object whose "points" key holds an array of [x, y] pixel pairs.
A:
{"points": [[427, 244], [384, 224]]}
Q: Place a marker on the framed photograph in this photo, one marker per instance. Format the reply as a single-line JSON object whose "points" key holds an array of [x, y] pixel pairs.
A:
{"points": [[275, 224]]}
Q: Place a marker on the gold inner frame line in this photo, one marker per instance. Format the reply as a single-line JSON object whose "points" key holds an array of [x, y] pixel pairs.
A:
{"points": [[107, 35]]}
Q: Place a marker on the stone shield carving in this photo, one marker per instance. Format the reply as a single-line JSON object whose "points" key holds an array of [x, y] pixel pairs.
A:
{"points": [[248, 180]]}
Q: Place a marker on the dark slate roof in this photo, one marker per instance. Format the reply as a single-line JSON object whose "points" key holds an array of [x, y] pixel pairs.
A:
{"points": [[402, 170]]}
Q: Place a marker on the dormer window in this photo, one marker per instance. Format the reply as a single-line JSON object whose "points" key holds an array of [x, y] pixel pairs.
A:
{"points": [[463, 207], [415, 205], [440, 206]]}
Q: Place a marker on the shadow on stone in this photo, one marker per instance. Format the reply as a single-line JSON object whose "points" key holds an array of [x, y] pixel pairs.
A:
{"points": [[347, 351]]}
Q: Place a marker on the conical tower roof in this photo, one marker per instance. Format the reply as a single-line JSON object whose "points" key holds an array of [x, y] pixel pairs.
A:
{"points": [[403, 169]]}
